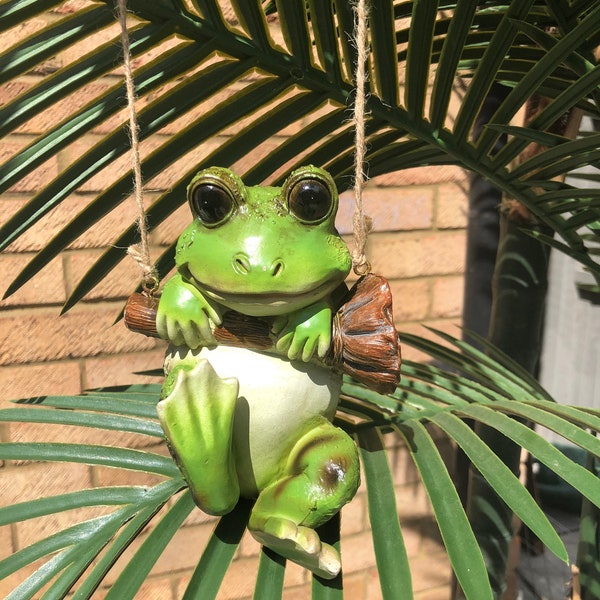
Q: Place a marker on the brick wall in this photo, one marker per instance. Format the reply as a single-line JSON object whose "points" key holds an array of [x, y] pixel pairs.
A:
{"points": [[417, 242]]}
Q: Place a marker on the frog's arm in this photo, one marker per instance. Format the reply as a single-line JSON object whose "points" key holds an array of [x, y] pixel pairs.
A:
{"points": [[185, 316], [305, 331]]}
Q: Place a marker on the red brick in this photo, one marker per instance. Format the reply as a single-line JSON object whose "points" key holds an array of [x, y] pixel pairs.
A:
{"points": [[28, 381], [411, 299], [197, 517], [449, 326], [170, 229], [456, 100], [357, 552], [160, 588], [13, 89], [430, 571], [117, 168], [217, 100], [373, 585], [250, 119], [48, 119], [354, 589], [173, 559], [6, 545], [412, 536], [184, 168], [396, 256], [70, 6], [34, 180], [31, 481], [43, 432], [101, 234], [93, 40], [447, 297], [391, 209], [85, 331], [393, 442], [301, 592], [295, 574], [34, 480], [408, 352], [353, 516], [118, 284], [31, 240], [47, 287], [423, 176], [9, 583], [248, 547], [240, 579], [33, 530], [106, 477], [402, 466], [249, 160], [452, 206], [432, 539], [123, 369], [21, 31], [439, 593]]}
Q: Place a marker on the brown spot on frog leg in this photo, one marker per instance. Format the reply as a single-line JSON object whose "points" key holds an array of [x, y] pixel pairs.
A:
{"points": [[333, 472], [298, 462]]}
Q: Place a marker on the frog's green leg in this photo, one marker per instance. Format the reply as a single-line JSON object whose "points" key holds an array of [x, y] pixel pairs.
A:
{"points": [[197, 418], [322, 474]]}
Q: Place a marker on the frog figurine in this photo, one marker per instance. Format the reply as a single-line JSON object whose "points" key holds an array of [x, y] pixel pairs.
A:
{"points": [[242, 423]]}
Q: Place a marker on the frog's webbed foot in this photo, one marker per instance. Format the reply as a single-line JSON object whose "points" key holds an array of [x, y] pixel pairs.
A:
{"points": [[300, 544], [197, 418]]}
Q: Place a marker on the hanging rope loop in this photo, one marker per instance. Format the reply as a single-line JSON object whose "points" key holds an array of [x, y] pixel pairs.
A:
{"points": [[139, 252], [361, 223]]}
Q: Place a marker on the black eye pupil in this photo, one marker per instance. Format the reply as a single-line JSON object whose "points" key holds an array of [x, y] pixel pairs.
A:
{"points": [[211, 203], [310, 200]]}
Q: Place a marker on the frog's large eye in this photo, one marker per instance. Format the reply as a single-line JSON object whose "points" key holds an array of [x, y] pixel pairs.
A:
{"points": [[310, 200], [211, 203]]}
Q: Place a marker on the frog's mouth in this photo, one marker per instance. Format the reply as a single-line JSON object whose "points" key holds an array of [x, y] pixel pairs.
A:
{"points": [[268, 302]]}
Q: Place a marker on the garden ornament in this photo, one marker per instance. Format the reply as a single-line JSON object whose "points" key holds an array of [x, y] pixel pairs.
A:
{"points": [[261, 326]]}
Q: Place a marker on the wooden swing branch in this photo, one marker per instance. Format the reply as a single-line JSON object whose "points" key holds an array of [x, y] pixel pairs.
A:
{"points": [[364, 339]]}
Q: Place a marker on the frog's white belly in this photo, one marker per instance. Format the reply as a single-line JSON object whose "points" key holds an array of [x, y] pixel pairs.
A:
{"points": [[278, 401]]}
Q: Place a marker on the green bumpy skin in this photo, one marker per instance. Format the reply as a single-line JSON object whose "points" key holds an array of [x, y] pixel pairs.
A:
{"points": [[240, 422]]}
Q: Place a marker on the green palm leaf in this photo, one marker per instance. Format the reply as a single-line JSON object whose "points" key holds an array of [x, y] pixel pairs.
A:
{"points": [[227, 88], [390, 552], [427, 393], [208, 575], [457, 534], [479, 43], [136, 571]]}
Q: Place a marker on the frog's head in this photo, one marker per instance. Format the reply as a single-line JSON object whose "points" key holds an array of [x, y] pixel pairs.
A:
{"points": [[263, 250]]}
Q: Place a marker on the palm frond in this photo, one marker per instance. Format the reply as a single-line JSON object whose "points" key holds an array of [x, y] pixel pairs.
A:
{"points": [[238, 68], [463, 382], [218, 90]]}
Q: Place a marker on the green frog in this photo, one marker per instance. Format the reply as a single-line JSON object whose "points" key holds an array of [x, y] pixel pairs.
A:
{"points": [[258, 424]]}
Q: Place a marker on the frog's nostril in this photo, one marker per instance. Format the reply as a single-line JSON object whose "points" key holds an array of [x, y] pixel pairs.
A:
{"points": [[277, 268], [241, 264]]}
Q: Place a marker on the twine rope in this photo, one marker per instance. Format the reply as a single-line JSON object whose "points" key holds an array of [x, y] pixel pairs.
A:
{"points": [[361, 223], [139, 252]]}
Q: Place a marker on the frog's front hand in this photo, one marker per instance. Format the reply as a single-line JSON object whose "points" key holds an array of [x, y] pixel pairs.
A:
{"points": [[304, 332], [185, 316]]}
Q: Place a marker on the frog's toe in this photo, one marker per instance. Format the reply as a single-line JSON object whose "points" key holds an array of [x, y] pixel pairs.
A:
{"points": [[301, 545]]}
